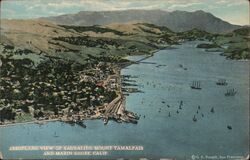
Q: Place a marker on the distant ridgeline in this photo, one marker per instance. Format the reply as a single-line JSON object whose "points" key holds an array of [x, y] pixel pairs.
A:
{"points": [[177, 21]]}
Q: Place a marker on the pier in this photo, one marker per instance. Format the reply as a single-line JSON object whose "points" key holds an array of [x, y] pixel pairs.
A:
{"points": [[116, 110]]}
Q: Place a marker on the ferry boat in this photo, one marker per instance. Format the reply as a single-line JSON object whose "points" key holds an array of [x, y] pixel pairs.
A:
{"points": [[221, 82], [196, 85]]}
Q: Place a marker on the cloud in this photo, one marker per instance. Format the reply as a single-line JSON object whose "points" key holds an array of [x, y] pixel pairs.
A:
{"points": [[179, 6], [237, 4], [100, 4]]}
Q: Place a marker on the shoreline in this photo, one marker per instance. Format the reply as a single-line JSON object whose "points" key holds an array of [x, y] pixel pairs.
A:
{"points": [[41, 122]]}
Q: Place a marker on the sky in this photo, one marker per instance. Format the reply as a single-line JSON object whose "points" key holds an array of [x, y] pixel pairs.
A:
{"points": [[233, 11]]}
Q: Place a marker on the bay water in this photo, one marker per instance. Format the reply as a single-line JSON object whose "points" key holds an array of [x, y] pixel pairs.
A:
{"points": [[165, 130]]}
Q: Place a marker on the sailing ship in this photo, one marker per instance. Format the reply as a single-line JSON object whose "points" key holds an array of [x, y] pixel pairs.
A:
{"points": [[221, 82], [194, 119], [230, 92], [212, 110], [55, 135], [196, 85]]}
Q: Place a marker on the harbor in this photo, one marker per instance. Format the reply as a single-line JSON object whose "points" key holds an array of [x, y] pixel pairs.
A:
{"points": [[173, 116]]}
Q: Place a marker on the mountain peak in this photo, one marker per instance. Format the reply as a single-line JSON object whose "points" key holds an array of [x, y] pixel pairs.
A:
{"points": [[200, 11], [176, 20]]}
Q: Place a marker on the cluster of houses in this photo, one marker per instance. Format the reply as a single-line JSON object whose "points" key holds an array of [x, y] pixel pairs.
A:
{"points": [[56, 89]]}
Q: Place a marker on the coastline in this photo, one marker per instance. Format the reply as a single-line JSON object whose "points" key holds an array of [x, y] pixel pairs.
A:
{"points": [[148, 126], [94, 117], [40, 122], [132, 119]]}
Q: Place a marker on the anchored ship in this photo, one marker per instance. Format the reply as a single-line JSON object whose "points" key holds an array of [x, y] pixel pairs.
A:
{"points": [[230, 92], [221, 82], [194, 119], [196, 85]]}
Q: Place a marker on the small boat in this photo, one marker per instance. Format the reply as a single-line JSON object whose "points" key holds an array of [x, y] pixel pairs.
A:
{"points": [[80, 123], [212, 110], [230, 92], [194, 119], [169, 114], [181, 103], [55, 135], [105, 120], [196, 85], [134, 121], [118, 120], [229, 127], [221, 82], [199, 107]]}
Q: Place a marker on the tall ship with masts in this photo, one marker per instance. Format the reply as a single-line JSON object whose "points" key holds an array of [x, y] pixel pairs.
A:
{"points": [[196, 85], [221, 82], [230, 92]]}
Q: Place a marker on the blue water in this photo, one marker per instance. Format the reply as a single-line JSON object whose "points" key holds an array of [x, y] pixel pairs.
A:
{"points": [[162, 136]]}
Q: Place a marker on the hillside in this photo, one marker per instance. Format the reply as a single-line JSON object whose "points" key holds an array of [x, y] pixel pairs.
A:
{"points": [[177, 20], [77, 42], [41, 62], [233, 45], [37, 39], [237, 43], [50, 71]]}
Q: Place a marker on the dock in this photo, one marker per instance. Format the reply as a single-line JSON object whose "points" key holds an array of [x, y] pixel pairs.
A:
{"points": [[116, 110]]}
